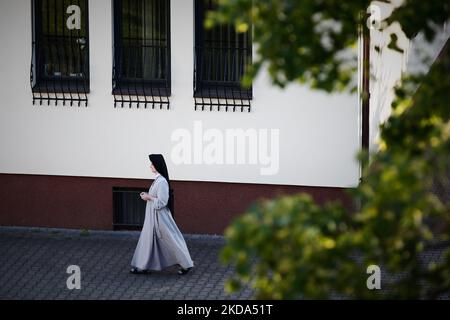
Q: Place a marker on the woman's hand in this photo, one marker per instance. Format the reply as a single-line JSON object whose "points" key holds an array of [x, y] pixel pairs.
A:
{"points": [[145, 196]]}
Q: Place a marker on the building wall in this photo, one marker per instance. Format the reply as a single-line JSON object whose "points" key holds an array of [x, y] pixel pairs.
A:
{"points": [[58, 164], [87, 203], [388, 66], [318, 133]]}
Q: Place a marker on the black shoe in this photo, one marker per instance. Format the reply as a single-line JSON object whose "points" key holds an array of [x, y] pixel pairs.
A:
{"points": [[137, 271], [183, 271]]}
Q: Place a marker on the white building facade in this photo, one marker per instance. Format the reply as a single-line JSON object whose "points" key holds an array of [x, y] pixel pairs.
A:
{"points": [[78, 155]]}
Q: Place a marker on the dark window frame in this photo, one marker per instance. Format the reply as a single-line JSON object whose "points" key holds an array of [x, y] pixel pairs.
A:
{"points": [[58, 87], [149, 89], [128, 208], [208, 92]]}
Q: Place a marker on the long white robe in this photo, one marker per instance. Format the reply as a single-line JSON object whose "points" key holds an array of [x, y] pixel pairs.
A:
{"points": [[161, 243]]}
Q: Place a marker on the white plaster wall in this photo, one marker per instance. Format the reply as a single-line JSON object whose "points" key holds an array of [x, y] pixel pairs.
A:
{"points": [[319, 133], [388, 66]]}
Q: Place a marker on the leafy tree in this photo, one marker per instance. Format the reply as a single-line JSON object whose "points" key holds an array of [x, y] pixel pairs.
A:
{"points": [[291, 247]]}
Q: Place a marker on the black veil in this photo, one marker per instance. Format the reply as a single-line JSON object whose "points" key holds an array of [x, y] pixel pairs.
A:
{"points": [[160, 165]]}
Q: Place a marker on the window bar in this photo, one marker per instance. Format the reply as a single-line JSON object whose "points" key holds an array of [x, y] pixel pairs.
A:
{"points": [[248, 90], [144, 64], [49, 46], [158, 49], [144, 48], [74, 66], [60, 77], [33, 54], [199, 75], [167, 68], [69, 66], [194, 77], [61, 82], [127, 66], [152, 51], [152, 59], [128, 53], [152, 89], [55, 53], [205, 84], [167, 52], [227, 73], [236, 93], [118, 58], [137, 26], [239, 76], [233, 76], [160, 96], [114, 79], [84, 57], [40, 49], [158, 88], [34, 75], [210, 76], [55, 59], [215, 73], [44, 45], [59, 47], [241, 70], [68, 61], [221, 75], [229, 86], [136, 59], [31, 73], [48, 49], [78, 63], [161, 50], [202, 76], [121, 58]]}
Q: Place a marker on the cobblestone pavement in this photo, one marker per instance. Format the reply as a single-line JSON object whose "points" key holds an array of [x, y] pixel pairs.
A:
{"points": [[34, 261], [33, 265]]}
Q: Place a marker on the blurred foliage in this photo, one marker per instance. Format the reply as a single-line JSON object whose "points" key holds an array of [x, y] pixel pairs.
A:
{"points": [[291, 247]]}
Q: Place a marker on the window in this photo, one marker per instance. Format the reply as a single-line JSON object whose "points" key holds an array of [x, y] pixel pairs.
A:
{"points": [[60, 51], [141, 67], [128, 208], [222, 57]]}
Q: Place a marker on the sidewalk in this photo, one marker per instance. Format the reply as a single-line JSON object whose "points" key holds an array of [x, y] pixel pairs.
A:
{"points": [[33, 264], [34, 261]]}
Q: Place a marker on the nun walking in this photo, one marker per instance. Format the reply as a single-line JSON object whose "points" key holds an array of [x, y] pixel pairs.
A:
{"points": [[161, 243]]}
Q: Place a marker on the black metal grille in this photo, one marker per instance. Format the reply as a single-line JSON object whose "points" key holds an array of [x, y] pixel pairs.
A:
{"points": [[222, 57], [128, 207], [60, 55], [141, 66]]}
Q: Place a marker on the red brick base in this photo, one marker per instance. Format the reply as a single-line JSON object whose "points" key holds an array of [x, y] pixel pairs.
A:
{"points": [[86, 203]]}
